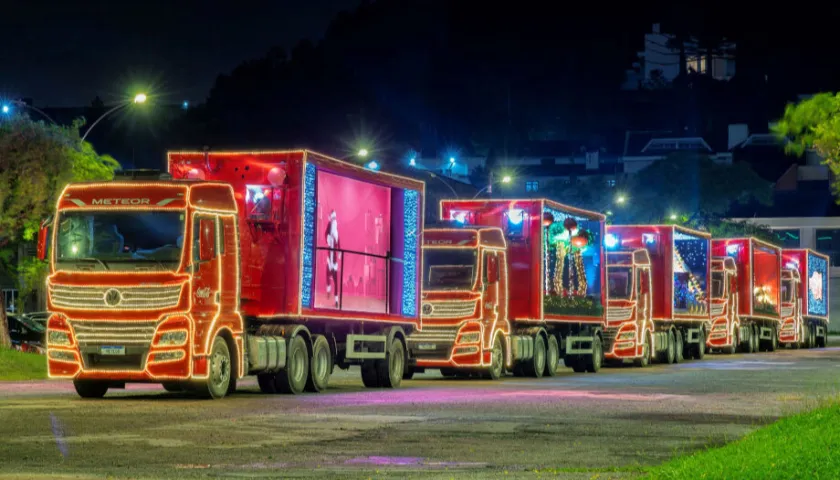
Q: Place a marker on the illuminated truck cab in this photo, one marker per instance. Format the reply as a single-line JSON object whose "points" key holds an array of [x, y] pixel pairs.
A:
{"points": [[724, 306], [464, 299], [129, 288], [629, 302]]}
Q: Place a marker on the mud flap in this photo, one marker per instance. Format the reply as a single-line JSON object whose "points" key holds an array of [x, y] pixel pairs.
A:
{"points": [[579, 345]]}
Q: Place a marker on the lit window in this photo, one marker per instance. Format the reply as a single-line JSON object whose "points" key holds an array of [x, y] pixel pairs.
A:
{"points": [[787, 238], [532, 186], [611, 182], [828, 243]]}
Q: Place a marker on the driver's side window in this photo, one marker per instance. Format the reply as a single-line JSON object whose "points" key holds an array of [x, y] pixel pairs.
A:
{"points": [[204, 238]]}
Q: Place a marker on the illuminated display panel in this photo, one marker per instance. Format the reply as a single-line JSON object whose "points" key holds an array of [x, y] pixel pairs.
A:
{"points": [[352, 238], [817, 284], [691, 264], [766, 280]]}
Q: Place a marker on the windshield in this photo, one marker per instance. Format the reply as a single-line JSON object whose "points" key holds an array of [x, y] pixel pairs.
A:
{"points": [[119, 240], [449, 268], [717, 285], [620, 283], [787, 291]]}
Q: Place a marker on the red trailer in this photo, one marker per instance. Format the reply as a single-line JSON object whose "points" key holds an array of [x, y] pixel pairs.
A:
{"points": [[677, 296], [805, 288], [758, 267], [280, 264], [537, 269]]}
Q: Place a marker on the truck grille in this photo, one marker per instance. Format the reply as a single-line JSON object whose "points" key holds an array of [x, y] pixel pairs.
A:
{"points": [[433, 343], [449, 309], [608, 335], [114, 333], [717, 309], [787, 311], [615, 314], [134, 298]]}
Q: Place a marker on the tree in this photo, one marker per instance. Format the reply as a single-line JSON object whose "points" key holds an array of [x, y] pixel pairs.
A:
{"points": [[36, 161], [814, 123]]}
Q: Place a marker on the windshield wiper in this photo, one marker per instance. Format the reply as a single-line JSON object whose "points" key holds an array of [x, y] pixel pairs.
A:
{"points": [[93, 259]]}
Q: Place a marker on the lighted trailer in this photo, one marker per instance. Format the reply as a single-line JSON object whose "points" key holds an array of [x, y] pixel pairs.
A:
{"points": [[805, 302], [279, 264], [672, 287]]}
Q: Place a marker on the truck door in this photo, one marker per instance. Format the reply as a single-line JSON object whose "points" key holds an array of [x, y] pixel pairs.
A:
{"points": [[206, 274], [491, 294]]}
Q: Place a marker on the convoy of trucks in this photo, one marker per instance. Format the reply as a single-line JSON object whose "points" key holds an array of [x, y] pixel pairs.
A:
{"points": [[285, 264]]}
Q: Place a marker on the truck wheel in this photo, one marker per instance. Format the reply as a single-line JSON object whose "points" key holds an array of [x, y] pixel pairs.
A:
{"points": [[700, 349], [320, 365], [292, 379], [596, 360], [671, 351], [391, 369], [736, 340], [497, 360], [218, 371], [644, 360], [408, 374], [679, 347], [812, 336], [803, 335], [447, 372], [370, 378], [267, 382], [821, 342], [536, 366], [90, 388], [754, 339], [773, 344], [552, 358]]}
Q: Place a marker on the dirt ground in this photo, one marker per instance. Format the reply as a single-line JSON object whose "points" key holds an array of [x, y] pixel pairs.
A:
{"points": [[609, 425]]}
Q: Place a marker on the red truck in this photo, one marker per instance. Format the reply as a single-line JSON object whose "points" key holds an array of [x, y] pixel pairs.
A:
{"points": [[726, 324], [281, 264], [513, 281], [758, 283], [804, 299], [662, 309]]}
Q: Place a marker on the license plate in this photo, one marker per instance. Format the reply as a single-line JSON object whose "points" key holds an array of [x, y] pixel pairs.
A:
{"points": [[427, 346], [111, 350]]}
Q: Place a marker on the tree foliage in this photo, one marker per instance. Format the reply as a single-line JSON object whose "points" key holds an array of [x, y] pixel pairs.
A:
{"points": [[814, 123], [36, 161]]}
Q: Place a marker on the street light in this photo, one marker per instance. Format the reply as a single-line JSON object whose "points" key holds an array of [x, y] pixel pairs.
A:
{"points": [[489, 187], [363, 152], [673, 216], [506, 179], [620, 199], [139, 98], [6, 109], [22, 104]]}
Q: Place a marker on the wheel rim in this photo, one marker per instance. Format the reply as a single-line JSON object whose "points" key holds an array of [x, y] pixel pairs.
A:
{"points": [[596, 354], [496, 363], [539, 356], [321, 364], [297, 363], [396, 365], [221, 369]]}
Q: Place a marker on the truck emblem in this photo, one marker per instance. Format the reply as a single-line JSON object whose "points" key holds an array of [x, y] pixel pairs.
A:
{"points": [[113, 297], [427, 309], [121, 201], [202, 292]]}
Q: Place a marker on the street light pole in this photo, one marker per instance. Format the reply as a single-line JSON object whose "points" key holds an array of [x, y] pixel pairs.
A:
{"points": [[19, 103], [139, 98]]}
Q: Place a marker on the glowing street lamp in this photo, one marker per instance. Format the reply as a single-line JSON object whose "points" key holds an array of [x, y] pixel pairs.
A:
{"points": [[138, 99], [6, 109], [506, 179], [363, 152], [673, 216], [620, 199], [373, 165]]}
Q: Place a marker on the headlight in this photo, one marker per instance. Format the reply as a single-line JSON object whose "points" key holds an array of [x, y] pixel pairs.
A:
{"points": [[472, 337], [176, 338], [62, 356], [627, 335], [56, 337], [168, 356], [718, 327]]}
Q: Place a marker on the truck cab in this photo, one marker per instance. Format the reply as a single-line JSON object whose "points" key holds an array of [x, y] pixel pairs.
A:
{"points": [[629, 329], [726, 324], [792, 331], [464, 302]]}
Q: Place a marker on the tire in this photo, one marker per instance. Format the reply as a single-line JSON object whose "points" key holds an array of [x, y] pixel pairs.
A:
{"points": [[595, 361], [552, 356], [320, 365], [667, 355], [803, 337], [448, 372], [536, 366], [267, 382], [370, 377], [754, 342], [821, 342], [773, 344], [219, 371], [390, 370], [497, 360], [570, 361], [700, 349], [812, 336], [679, 347], [736, 340], [293, 378], [90, 388], [644, 360], [408, 374], [174, 387]]}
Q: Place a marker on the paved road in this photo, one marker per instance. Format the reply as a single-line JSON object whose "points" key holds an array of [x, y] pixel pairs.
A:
{"points": [[577, 425]]}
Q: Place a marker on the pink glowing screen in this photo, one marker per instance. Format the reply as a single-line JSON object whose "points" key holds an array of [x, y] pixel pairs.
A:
{"points": [[352, 238]]}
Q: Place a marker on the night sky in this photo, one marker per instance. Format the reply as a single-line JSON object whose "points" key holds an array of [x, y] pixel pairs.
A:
{"points": [[64, 53]]}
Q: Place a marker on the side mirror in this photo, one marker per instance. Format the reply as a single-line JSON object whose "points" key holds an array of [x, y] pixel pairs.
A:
{"points": [[207, 239], [44, 239]]}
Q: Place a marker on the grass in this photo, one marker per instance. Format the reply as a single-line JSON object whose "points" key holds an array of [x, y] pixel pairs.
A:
{"points": [[16, 365], [802, 446]]}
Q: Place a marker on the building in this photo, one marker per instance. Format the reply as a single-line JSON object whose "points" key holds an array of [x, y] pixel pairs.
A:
{"points": [[659, 63], [642, 149]]}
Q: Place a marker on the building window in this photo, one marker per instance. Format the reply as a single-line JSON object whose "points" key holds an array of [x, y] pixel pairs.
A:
{"points": [[696, 63], [611, 182], [788, 237], [532, 186], [828, 242]]}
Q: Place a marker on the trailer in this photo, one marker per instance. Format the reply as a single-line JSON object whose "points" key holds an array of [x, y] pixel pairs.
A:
{"points": [[279, 264], [805, 288], [758, 267], [518, 281], [674, 289]]}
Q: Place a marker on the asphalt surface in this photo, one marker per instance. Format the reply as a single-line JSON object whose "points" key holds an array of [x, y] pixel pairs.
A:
{"points": [[611, 424]]}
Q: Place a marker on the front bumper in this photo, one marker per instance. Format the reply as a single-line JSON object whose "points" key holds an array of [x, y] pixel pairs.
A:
{"points": [[134, 351], [453, 347], [720, 335], [621, 342]]}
